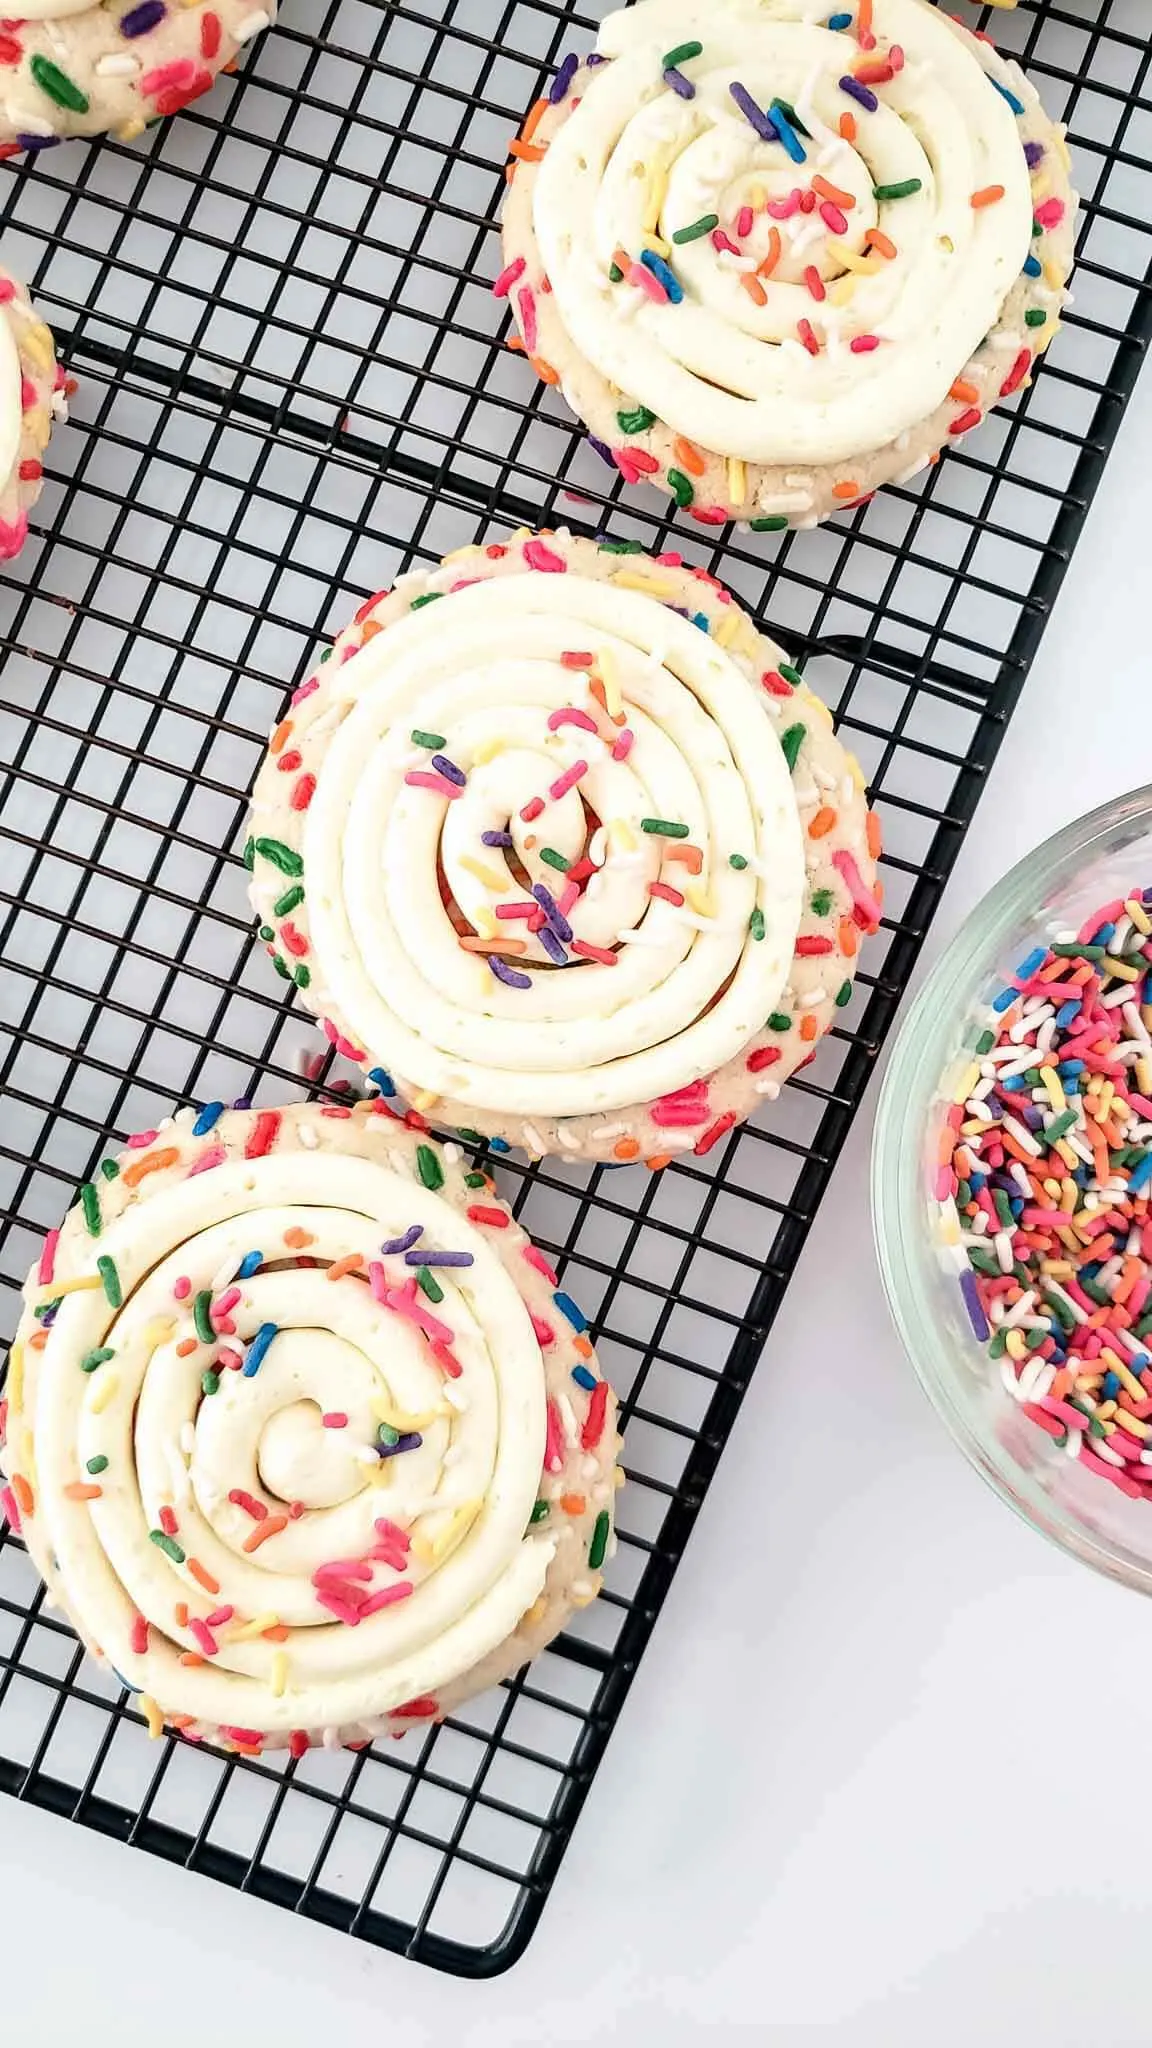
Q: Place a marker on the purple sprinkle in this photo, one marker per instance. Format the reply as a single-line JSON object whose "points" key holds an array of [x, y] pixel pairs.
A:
{"points": [[563, 78], [449, 770], [38, 141], [552, 947], [401, 1244], [862, 93], [1033, 154], [976, 1315], [439, 1258], [595, 58], [765, 128], [242, 1102], [411, 1442], [503, 972], [552, 912], [139, 20], [679, 83], [602, 450], [495, 839]]}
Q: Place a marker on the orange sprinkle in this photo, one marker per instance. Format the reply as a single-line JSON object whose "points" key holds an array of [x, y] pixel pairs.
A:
{"points": [[808, 1027], [833, 192], [202, 1577], [658, 1161], [38, 1340], [264, 1530], [874, 835], [180, 1720], [280, 736], [822, 823], [863, 20], [848, 936], [152, 1162], [683, 850], [582, 1347], [848, 489], [689, 458], [536, 113], [279, 1634], [298, 1238], [882, 243], [80, 1491], [369, 630], [340, 1268], [987, 196], [494, 945], [525, 152], [573, 1503], [848, 127], [544, 371], [22, 1494], [190, 1658], [514, 342], [964, 393], [626, 1148], [773, 257], [181, 1613], [753, 287], [1129, 1274], [186, 1347]]}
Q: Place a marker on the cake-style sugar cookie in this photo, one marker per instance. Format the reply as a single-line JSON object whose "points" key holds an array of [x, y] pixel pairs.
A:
{"points": [[32, 396]]}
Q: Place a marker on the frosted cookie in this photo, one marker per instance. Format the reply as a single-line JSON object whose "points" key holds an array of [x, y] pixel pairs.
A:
{"points": [[301, 1433], [31, 397], [89, 67], [777, 254], [557, 844]]}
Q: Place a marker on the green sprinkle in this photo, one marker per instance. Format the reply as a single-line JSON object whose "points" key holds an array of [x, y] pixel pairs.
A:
{"points": [[999, 1344], [428, 1284], [249, 853], [614, 273], [775, 522], [325, 656], [302, 976], [779, 1021], [1058, 1126], [984, 1043], [281, 856], [680, 487], [93, 1359], [113, 1291], [110, 1169], [387, 1436], [428, 1167], [599, 1543], [210, 1382], [201, 1316], [1003, 1209], [1075, 952], [703, 226], [682, 54], [637, 421], [281, 966], [552, 859], [46, 1308], [963, 1193], [1035, 1338], [266, 933], [1094, 1292], [790, 674], [790, 114], [664, 827], [540, 1513], [791, 742], [432, 740], [843, 994], [96, 1465], [903, 190], [57, 85], [90, 1203], [288, 902], [821, 901], [756, 923], [1096, 1428], [469, 1137], [429, 597], [620, 547], [1035, 317], [983, 1261], [739, 861], [474, 1180], [167, 1544]]}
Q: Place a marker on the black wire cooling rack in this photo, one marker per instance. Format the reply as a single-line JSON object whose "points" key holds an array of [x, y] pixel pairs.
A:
{"points": [[292, 385]]}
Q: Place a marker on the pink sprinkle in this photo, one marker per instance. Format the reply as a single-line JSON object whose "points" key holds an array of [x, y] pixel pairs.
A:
{"points": [[834, 218], [1050, 214], [532, 809], [342, 1609], [140, 1139], [526, 301], [815, 283], [215, 1156], [863, 344], [449, 1365], [570, 716], [8, 1503], [508, 277], [7, 290], [335, 1420], [517, 911], [138, 1639], [1107, 1471], [343, 1568], [1070, 1417], [709, 515], [307, 689], [567, 781], [744, 221], [807, 202], [418, 778], [48, 1258], [545, 1334], [783, 209], [229, 1359], [622, 745], [168, 77], [391, 1532], [628, 469], [219, 1617], [248, 1738], [535, 1257], [203, 1636], [641, 460], [387, 1597], [862, 898], [226, 1302], [722, 241], [641, 276], [543, 558], [945, 1183], [554, 1440], [348, 1051], [569, 895], [168, 1522]]}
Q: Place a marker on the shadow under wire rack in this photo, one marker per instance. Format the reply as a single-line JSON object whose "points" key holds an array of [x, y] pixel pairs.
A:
{"points": [[293, 385]]}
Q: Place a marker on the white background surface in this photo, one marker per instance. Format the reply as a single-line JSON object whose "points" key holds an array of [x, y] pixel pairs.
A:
{"points": [[879, 1778]]}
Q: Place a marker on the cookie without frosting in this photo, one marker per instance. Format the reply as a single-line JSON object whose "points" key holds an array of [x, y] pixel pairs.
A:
{"points": [[558, 845], [32, 396], [301, 1432], [776, 255]]}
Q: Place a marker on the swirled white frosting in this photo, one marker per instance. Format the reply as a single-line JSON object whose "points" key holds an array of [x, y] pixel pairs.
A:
{"points": [[634, 161]]}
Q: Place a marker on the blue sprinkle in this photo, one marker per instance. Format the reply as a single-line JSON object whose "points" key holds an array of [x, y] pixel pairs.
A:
{"points": [[1104, 935], [664, 274], [584, 1378], [1111, 1386], [563, 78], [449, 770], [764, 125], [495, 839], [1016, 105], [567, 1307], [1028, 967], [1066, 1012], [1140, 1175], [499, 1145], [257, 1348], [839, 21], [1004, 1000], [402, 1244], [1033, 267], [679, 83], [249, 1264], [788, 135], [976, 1315], [701, 619], [383, 1080], [210, 1114], [1067, 1067]]}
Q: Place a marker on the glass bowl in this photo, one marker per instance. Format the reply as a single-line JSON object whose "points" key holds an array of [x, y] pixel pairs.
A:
{"points": [[1107, 854]]}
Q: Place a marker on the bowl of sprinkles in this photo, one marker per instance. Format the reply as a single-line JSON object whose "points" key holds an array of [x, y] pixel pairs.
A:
{"points": [[1012, 1188]]}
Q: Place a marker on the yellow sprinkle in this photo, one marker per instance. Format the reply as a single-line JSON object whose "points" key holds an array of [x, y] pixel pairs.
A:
{"points": [[1061, 145], [38, 425], [1067, 1154], [104, 1388], [654, 201], [756, 197], [485, 921], [1041, 186], [966, 1083], [489, 876], [129, 130], [737, 487], [421, 1550], [245, 1631], [57, 1288], [972, 1128], [427, 1099], [37, 343], [458, 554], [699, 899], [1105, 1411], [862, 266], [1144, 1073], [535, 1613], [453, 1531], [158, 1331], [651, 586], [1123, 969], [151, 1712], [279, 1675], [1132, 1423], [857, 773], [842, 292], [622, 836], [729, 626], [395, 1418], [618, 1476], [1057, 1269], [658, 246], [586, 1599], [817, 707], [486, 751], [1017, 1348], [1055, 1092], [610, 677], [15, 1387], [1139, 916], [950, 1230], [1087, 1382]]}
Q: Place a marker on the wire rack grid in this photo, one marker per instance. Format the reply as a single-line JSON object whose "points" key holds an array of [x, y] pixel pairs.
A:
{"points": [[293, 385]]}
